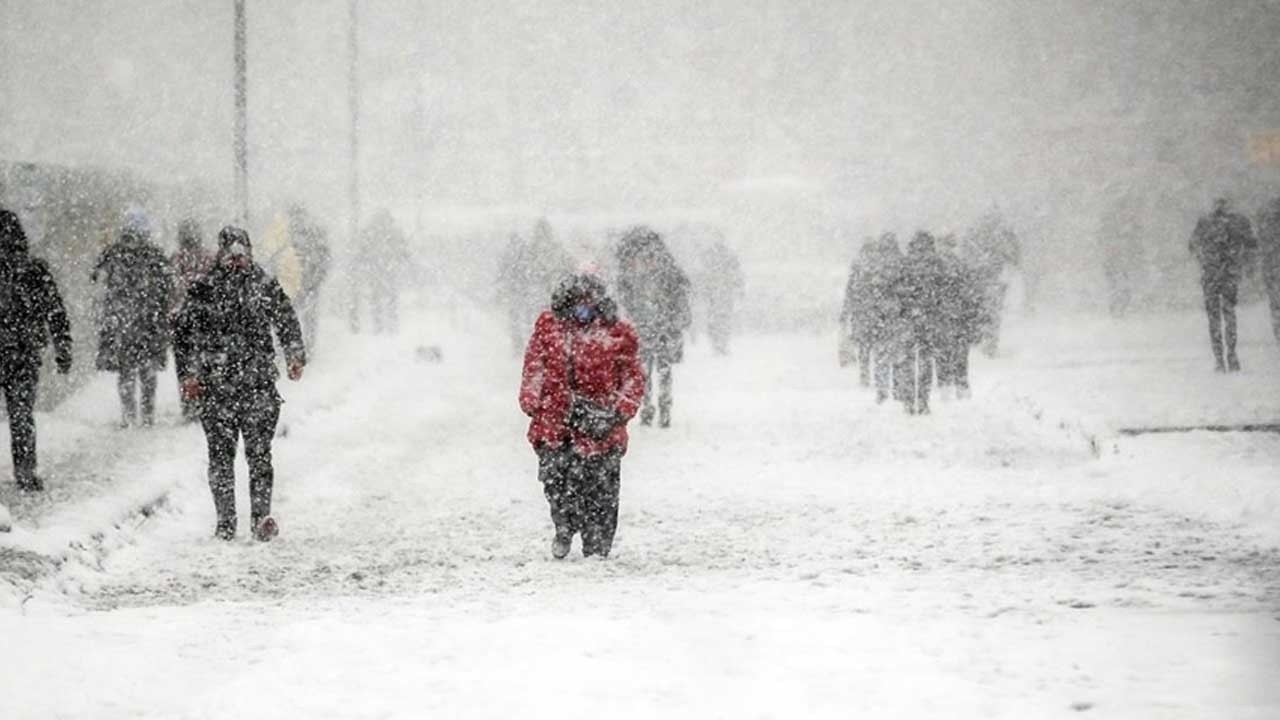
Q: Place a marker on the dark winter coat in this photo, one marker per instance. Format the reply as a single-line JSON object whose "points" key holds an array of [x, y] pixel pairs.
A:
{"points": [[655, 295], [189, 263], [139, 289], [31, 309], [598, 361], [885, 329], [224, 333], [923, 286], [1221, 243], [961, 306]]}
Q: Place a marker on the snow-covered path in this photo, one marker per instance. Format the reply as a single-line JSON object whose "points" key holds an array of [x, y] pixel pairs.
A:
{"points": [[787, 549]]}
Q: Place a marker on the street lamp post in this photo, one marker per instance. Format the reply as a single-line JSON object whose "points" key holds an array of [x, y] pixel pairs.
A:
{"points": [[241, 145]]}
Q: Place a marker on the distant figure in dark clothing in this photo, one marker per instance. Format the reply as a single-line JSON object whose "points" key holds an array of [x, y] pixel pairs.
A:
{"points": [[922, 283], [960, 319], [311, 245], [856, 313], [721, 289], [378, 269], [134, 333], [655, 294], [1222, 243], [991, 249], [886, 330], [1269, 240], [189, 263], [225, 338], [31, 312]]}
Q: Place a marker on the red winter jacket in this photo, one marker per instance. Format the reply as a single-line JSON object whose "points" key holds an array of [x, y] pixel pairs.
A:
{"points": [[606, 370]]}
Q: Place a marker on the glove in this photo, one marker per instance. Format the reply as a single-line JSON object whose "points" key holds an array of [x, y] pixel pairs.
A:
{"points": [[63, 360], [295, 369], [190, 388]]}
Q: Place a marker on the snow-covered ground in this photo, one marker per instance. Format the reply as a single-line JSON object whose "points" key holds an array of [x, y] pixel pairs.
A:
{"points": [[787, 549]]}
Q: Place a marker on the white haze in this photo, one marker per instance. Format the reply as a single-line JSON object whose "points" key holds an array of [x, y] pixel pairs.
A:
{"points": [[801, 127]]}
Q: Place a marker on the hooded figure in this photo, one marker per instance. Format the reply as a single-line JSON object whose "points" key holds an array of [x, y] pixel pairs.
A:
{"points": [[582, 382], [1222, 243], [189, 263], [885, 329], [655, 294], [224, 337], [921, 291], [133, 336], [855, 313], [31, 312]]}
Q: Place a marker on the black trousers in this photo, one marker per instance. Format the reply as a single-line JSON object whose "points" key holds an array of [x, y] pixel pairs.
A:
{"points": [[129, 378], [225, 421], [20, 380], [913, 378], [1220, 306], [953, 365], [582, 493]]}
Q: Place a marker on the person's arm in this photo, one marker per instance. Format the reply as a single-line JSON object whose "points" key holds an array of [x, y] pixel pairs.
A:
{"points": [[631, 390], [288, 330], [54, 316], [534, 374]]}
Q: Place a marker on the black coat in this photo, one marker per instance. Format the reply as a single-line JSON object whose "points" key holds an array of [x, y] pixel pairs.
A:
{"points": [[923, 283], [1222, 243], [134, 328], [224, 333], [31, 311]]}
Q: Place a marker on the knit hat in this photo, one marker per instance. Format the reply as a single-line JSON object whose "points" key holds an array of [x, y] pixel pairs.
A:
{"points": [[234, 241], [12, 238]]}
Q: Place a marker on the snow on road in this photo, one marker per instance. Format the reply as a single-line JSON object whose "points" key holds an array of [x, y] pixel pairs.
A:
{"points": [[787, 549]]}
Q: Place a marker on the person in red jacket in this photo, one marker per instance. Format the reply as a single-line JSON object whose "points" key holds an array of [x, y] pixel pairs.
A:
{"points": [[582, 382]]}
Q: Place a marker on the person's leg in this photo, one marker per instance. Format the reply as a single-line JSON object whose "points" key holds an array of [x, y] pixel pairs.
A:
{"points": [[259, 428], [1213, 308], [664, 391], [883, 371], [147, 378], [962, 370], [646, 409], [864, 364], [20, 402], [602, 479], [1229, 298], [904, 374], [553, 473], [924, 375], [125, 386], [221, 434]]}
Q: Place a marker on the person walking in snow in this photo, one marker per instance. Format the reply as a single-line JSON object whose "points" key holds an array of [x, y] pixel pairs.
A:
{"points": [[1269, 242], [855, 313], [378, 270], [189, 263], [134, 334], [959, 320], [1222, 243], [922, 283], [224, 336], [582, 382], [721, 289], [655, 295], [31, 311], [885, 329]]}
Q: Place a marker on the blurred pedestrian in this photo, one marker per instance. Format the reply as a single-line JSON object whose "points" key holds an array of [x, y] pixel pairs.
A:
{"points": [[31, 312], [1221, 243], [225, 338], [582, 382], [134, 332], [189, 263], [655, 294], [922, 283]]}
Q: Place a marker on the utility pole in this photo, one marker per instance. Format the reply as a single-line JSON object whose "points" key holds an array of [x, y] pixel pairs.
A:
{"points": [[242, 118], [354, 51]]}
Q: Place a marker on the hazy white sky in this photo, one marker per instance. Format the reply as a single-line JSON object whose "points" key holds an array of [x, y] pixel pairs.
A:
{"points": [[906, 109]]}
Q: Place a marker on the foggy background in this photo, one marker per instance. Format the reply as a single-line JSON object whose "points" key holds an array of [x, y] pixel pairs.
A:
{"points": [[798, 127]]}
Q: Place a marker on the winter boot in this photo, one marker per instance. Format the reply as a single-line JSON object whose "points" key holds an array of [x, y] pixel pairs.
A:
{"points": [[664, 417], [266, 529], [225, 529], [1233, 363], [561, 543], [646, 415]]}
